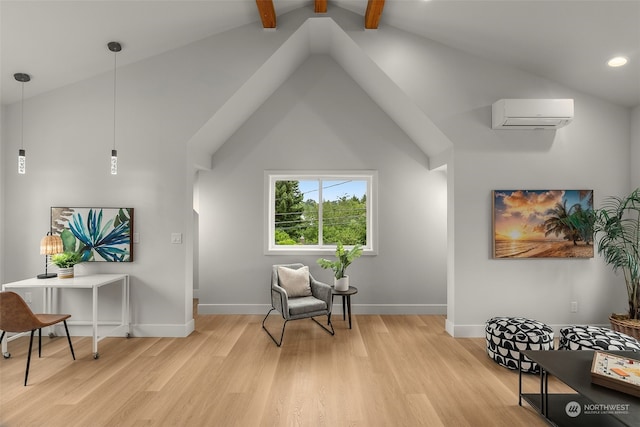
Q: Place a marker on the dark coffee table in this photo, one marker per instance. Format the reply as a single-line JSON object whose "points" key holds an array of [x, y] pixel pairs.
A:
{"points": [[591, 405]]}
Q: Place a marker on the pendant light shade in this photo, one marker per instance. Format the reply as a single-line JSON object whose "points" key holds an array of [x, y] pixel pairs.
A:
{"points": [[114, 47], [114, 162], [22, 154], [22, 161]]}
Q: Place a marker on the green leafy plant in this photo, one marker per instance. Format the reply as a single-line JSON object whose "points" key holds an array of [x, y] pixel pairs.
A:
{"points": [[344, 259], [616, 227], [95, 237], [65, 259], [617, 230]]}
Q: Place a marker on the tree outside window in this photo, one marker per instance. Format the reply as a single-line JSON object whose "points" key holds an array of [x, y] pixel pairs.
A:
{"points": [[301, 221]]}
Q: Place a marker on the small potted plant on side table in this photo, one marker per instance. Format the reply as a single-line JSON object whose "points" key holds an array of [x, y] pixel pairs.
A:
{"points": [[65, 262], [344, 259]]}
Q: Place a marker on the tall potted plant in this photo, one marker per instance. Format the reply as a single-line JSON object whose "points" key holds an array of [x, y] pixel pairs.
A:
{"points": [[617, 231], [344, 258]]}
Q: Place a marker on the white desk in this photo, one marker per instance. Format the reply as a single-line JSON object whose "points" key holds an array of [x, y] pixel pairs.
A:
{"points": [[93, 282]]}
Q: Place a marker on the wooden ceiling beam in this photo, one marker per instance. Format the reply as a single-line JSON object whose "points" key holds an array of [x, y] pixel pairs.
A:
{"points": [[371, 18], [267, 13], [373, 13], [321, 6]]}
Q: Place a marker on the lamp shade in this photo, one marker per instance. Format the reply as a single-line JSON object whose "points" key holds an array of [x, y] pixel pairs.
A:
{"points": [[50, 245]]}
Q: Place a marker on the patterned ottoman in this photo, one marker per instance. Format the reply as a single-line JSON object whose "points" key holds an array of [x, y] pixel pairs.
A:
{"points": [[583, 337], [506, 336]]}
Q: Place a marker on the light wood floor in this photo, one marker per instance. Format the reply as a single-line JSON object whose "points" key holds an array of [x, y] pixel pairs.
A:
{"points": [[386, 371]]}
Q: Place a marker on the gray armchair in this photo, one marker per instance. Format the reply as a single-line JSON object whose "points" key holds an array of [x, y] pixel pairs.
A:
{"points": [[298, 303]]}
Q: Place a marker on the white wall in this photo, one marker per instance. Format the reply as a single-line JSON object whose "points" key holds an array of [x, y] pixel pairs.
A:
{"points": [[457, 91], [68, 137], [3, 130], [321, 119], [162, 102], [634, 158]]}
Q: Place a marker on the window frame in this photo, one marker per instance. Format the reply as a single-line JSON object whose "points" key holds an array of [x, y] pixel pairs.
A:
{"points": [[271, 177]]}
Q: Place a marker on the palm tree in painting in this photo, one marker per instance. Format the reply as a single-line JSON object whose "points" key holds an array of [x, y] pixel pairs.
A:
{"points": [[587, 197], [573, 223], [557, 223], [582, 221]]}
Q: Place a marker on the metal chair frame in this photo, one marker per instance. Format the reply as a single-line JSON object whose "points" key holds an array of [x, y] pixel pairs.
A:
{"points": [[36, 322], [279, 343]]}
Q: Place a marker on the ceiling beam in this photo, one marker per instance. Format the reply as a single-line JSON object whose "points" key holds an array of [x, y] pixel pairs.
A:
{"points": [[373, 13], [321, 6], [267, 13]]}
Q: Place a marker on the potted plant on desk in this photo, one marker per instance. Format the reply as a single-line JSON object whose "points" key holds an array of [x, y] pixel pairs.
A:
{"points": [[344, 258], [65, 262]]}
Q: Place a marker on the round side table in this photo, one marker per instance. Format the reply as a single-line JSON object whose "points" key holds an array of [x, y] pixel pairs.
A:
{"points": [[346, 300]]}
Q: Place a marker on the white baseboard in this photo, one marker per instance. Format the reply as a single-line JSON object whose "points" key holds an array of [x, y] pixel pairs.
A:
{"points": [[449, 327], [477, 331], [233, 308], [394, 308], [337, 308], [178, 331], [136, 330], [465, 331]]}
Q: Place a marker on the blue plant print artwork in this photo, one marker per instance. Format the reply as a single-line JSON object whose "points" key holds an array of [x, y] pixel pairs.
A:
{"points": [[97, 234]]}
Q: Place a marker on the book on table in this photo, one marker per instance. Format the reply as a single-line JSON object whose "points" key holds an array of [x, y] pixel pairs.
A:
{"points": [[616, 372]]}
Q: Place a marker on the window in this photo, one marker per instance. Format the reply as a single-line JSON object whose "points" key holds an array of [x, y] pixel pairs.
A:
{"points": [[312, 212]]}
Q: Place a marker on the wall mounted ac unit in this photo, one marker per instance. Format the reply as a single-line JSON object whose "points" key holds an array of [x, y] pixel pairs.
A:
{"points": [[531, 113]]}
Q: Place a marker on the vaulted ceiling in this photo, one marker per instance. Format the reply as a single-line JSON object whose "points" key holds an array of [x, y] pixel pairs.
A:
{"points": [[61, 42], [320, 35]]}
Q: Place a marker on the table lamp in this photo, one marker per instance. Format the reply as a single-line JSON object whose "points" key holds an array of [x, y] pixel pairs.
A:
{"points": [[49, 245]]}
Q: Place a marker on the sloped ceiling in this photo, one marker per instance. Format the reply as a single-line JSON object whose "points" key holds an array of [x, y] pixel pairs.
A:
{"points": [[569, 41], [320, 36]]}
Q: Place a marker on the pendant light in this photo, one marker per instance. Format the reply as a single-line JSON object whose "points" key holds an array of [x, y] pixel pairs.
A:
{"points": [[22, 154], [114, 47]]}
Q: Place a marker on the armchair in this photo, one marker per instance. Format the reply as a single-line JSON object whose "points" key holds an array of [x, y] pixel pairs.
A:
{"points": [[295, 294]]}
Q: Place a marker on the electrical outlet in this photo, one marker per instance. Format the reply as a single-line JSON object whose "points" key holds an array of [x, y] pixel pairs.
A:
{"points": [[28, 297], [574, 306], [176, 238]]}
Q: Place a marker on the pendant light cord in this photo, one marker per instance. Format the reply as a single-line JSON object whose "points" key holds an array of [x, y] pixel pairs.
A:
{"points": [[114, 97], [22, 118]]}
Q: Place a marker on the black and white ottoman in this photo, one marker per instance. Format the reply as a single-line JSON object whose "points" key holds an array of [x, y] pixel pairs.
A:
{"points": [[506, 336], [584, 337]]}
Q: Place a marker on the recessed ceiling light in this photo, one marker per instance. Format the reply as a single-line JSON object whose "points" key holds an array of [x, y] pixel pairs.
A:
{"points": [[617, 61]]}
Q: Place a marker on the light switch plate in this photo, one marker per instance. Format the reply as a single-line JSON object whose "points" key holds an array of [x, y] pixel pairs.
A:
{"points": [[136, 237], [176, 238]]}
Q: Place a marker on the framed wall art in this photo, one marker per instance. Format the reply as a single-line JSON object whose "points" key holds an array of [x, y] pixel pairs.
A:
{"points": [[97, 234], [541, 224]]}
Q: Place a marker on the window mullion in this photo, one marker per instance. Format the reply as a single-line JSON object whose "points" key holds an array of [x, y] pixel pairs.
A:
{"points": [[320, 210]]}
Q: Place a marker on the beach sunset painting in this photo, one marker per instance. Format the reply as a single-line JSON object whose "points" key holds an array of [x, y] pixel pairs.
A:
{"points": [[534, 224]]}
